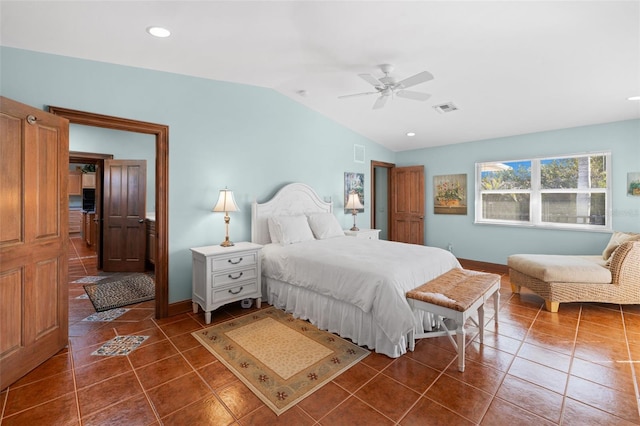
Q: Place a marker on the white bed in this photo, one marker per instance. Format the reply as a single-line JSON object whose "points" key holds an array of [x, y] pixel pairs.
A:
{"points": [[349, 286]]}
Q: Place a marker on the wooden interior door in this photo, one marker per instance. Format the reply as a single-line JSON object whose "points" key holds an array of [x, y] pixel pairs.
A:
{"points": [[34, 215], [407, 204], [123, 214]]}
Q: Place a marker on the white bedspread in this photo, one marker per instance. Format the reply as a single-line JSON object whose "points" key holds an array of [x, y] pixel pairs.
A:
{"points": [[373, 275]]}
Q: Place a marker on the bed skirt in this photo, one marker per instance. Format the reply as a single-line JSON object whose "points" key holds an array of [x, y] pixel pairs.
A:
{"points": [[338, 317]]}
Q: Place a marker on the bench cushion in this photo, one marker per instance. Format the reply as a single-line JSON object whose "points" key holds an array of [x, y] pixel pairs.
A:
{"points": [[560, 268], [457, 289]]}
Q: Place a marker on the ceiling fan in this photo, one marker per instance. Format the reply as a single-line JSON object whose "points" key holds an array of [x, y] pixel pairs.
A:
{"points": [[387, 86]]}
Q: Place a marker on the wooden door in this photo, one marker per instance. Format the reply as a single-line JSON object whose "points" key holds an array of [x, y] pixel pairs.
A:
{"points": [[34, 215], [407, 204], [124, 211]]}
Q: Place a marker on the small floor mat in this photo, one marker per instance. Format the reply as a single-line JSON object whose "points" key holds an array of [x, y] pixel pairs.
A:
{"points": [[120, 346], [89, 279], [116, 292], [109, 315]]}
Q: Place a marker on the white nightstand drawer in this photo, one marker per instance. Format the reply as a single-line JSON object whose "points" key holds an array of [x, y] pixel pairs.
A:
{"points": [[221, 279], [239, 260], [236, 292]]}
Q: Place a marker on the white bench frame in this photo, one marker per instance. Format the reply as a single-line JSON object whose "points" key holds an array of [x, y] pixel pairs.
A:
{"points": [[460, 319]]}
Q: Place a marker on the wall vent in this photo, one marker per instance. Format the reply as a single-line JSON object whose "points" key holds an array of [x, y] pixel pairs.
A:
{"points": [[448, 107]]}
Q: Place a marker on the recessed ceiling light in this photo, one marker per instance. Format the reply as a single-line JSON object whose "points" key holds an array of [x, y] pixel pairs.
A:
{"points": [[410, 134], [634, 98], [159, 32]]}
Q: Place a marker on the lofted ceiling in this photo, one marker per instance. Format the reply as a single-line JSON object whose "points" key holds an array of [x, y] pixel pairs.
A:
{"points": [[509, 67]]}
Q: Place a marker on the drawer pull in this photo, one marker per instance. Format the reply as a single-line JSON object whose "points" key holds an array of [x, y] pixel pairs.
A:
{"points": [[234, 263], [235, 292], [235, 278]]}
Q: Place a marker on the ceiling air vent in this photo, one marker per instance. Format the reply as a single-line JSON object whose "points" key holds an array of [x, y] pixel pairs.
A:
{"points": [[448, 107]]}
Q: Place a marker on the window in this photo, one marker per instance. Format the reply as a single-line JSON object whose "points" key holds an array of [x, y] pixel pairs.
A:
{"points": [[570, 192]]}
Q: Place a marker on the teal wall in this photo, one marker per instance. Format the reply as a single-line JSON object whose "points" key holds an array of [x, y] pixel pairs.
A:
{"points": [[254, 140], [491, 243], [251, 139]]}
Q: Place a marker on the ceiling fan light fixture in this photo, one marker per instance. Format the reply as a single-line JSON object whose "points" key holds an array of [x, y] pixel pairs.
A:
{"points": [[159, 32]]}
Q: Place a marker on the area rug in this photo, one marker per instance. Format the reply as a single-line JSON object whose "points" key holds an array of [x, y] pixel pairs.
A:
{"points": [[280, 358], [115, 292]]}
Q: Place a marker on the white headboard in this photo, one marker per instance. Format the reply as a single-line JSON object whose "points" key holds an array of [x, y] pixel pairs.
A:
{"points": [[291, 199]]}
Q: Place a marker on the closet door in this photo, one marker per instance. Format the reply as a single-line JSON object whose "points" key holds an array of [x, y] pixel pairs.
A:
{"points": [[407, 206]]}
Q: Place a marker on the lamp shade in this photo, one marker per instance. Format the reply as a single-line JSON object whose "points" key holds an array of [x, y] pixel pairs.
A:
{"points": [[226, 202], [353, 202]]}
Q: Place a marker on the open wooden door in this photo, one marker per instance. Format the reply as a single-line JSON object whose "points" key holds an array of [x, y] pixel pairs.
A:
{"points": [[34, 221], [407, 204], [123, 214]]}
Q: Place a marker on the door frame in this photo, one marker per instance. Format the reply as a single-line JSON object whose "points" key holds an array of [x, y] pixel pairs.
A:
{"points": [[388, 166], [161, 133]]}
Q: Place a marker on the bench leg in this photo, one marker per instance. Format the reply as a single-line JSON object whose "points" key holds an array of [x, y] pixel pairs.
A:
{"points": [[496, 305], [551, 306], [460, 333], [481, 323], [412, 340]]}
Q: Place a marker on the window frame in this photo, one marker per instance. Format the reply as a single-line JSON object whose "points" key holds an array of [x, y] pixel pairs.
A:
{"points": [[536, 193]]}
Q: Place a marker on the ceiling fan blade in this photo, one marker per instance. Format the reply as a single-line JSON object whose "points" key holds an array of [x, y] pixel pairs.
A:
{"points": [[357, 94], [381, 101], [410, 94], [371, 80], [416, 79]]}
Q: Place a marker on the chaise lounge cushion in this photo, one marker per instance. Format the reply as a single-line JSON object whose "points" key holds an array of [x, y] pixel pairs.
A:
{"points": [[559, 268]]}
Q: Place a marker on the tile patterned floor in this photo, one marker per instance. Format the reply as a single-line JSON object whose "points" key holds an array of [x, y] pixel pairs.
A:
{"points": [[576, 367]]}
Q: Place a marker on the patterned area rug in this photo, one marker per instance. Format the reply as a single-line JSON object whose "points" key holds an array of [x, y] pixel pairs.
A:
{"points": [[120, 291], [280, 358]]}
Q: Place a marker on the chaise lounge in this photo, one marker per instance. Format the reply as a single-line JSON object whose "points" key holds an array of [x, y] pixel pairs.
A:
{"points": [[613, 277]]}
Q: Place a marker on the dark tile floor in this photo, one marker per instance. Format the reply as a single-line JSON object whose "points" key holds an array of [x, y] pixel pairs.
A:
{"points": [[575, 367]]}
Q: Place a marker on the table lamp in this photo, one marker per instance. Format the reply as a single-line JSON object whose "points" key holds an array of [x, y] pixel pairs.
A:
{"points": [[226, 203]]}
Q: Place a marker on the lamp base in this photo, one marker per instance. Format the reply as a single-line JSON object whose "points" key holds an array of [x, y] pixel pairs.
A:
{"points": [[355, 228], [226, 243]]}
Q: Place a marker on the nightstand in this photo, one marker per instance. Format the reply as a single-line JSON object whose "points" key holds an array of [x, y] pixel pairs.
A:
{"points": [[369, 234], [223, 275]]}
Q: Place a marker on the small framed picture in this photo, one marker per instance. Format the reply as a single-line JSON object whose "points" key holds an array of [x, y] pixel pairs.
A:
{"points": [[633, 184]]}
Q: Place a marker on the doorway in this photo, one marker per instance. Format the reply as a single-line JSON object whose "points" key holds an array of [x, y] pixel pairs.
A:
{"points": [[94, 162], [381, 198], [398, 201], [161, 134]]}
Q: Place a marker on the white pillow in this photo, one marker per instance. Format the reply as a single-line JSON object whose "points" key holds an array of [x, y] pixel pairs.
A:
{"points": [[325, 225], [616, 239], [274, 230], [290, 229]]}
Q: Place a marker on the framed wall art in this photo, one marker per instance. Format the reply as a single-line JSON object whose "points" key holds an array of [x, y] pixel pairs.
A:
{"points": [[353, 182], [450, 194], [633, 184]]}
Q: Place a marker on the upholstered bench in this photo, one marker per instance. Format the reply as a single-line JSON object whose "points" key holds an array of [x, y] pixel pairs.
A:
{"points": [[456, 295]]}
